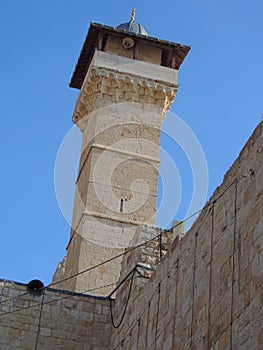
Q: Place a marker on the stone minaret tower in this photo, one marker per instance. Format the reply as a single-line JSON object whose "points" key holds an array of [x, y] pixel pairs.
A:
{"points": [[127, 81]]}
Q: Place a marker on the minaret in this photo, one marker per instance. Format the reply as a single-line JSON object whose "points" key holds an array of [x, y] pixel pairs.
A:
{"points": [[128, 81]]}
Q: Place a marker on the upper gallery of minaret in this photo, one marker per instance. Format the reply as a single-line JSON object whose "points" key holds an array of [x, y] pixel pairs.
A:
{"points": [[109, 39]]}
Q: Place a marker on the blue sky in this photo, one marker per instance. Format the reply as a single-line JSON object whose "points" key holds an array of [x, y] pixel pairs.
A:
{"points": [[220, 98]]}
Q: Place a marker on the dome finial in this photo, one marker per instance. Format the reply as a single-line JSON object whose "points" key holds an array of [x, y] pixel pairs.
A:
{"points": [[133, 15]]}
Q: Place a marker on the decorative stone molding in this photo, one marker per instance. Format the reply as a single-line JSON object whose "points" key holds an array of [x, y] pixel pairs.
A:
{"points": [[104, 86]]}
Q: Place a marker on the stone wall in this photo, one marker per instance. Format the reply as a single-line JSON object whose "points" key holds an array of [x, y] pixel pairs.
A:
{"points": [[53, 320], [207, 291]]}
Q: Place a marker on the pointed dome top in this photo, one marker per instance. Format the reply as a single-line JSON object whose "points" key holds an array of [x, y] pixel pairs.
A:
{"points": [[132, 26]]}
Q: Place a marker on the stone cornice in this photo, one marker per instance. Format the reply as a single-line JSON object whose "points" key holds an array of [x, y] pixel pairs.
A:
{"points": [[107, 86]]}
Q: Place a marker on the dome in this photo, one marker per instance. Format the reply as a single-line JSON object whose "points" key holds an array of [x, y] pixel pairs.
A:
{"points": [[133, 28]]}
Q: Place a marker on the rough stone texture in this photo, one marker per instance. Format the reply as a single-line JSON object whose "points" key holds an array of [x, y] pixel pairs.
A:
{"points": [[207, 291], [65, 321], [119, 111], [84, 254]]}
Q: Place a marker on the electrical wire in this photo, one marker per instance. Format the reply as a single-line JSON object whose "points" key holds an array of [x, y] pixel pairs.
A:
{"points": [[130, 276], [147, 325], [142, 312], [58, 299], [82, 293], [193, 290], [207, 205], [138, 333], [175, 300], [98, 265], [16, 297], [39, 321], [157, 315], [87, 270], [128, 250], [132, 273]]}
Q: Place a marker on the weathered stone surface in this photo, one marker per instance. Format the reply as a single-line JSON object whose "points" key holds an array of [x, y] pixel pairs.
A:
{"points": [[119, 110], [207, 291], [61, 323]]}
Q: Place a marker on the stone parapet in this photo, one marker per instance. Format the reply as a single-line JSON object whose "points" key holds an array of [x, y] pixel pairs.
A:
{"points": [[54, 319]]}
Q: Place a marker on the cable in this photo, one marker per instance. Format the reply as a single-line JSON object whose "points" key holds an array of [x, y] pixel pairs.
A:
{"points": [[194, 272], [58, 299], [128, 333], [9, 299], [193, 290], [88, 269], [142, 312], [147, 323], [100, 264], [105, 261], [138, 333], [208, 204], [39, 321], [128, 249], [175, 301], [157, 316], [148, 305], [132, 273], [161, 246]]}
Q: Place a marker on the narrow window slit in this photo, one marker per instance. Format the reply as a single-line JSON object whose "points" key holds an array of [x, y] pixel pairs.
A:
{"points": [[121, 206]]}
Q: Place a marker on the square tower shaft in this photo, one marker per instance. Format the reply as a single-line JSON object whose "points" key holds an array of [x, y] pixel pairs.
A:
{"points": [[127, 84]]}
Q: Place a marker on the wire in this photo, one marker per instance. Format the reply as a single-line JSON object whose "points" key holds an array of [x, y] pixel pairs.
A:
{"points": [[132, 273], [128, 250], [175, 301], [9, 299], [157, 316], [193, 289], [161, 246], [39, 321], [105, 261], [102, 263], [207, 205], [58, 299], [147, 325], [194, 273], [138, 333], [88, 269], [147, 306]]}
